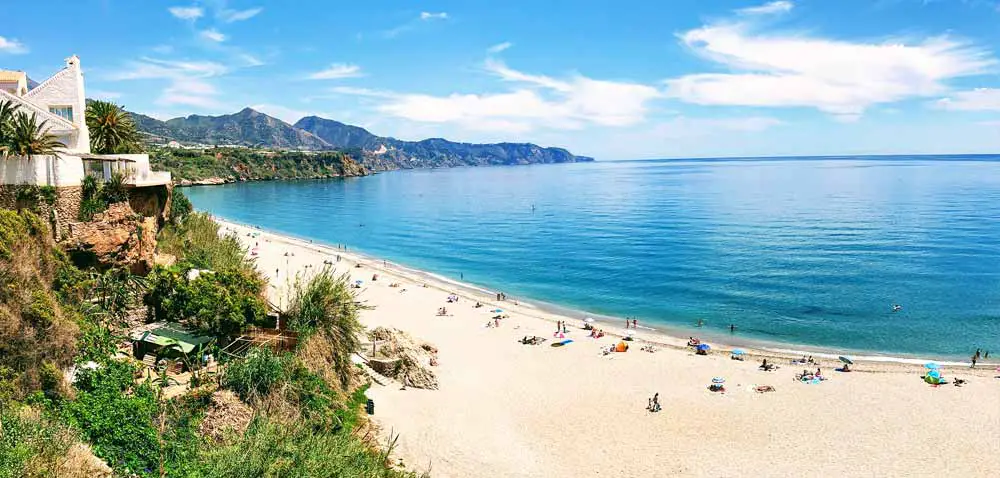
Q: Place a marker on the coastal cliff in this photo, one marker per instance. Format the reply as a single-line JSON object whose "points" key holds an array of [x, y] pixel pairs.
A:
{"points": [[227, 165]]}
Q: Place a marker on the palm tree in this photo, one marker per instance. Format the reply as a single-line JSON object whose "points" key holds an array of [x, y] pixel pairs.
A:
{"points": [[29, 138], [7, 110], [111, 128]]}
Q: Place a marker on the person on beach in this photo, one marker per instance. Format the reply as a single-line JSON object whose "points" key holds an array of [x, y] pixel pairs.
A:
{"points": [[974, 359], [732, 328], [635, 323]]}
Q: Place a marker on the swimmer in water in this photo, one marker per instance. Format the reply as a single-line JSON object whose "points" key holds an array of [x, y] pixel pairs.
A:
{"points": [[896, 307]]}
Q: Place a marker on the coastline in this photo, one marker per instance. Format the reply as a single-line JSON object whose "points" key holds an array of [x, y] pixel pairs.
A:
{"points": [[507, 409], [662, 334]]}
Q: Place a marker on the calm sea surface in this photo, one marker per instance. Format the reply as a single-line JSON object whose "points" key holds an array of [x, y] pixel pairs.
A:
{"points": [[797, 251]]}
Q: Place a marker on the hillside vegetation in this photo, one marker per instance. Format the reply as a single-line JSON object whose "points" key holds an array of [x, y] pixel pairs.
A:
{"points": [[241, 164], [264, 414]]}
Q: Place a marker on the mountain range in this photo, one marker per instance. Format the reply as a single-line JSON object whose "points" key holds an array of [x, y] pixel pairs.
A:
{"points": [[252, 128]]}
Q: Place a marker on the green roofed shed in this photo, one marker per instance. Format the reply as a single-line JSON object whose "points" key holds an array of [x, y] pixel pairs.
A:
{"points": [[162, 335]]}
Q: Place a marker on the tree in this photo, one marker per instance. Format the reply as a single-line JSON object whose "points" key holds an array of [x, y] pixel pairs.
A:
{"points": [[28, 137], [7, 110], [111, 129]]}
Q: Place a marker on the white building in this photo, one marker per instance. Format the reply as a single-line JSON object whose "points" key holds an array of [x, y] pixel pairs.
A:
{"points": [[61, 103]]}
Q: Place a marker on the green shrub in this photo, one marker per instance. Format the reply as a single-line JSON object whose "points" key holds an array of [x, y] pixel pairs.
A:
{"points": [[180, 207], [196, 240], [255, 375], [115, 188], [327, 304], [272, 448], [221, 304], [30, 445], [116, 417]]}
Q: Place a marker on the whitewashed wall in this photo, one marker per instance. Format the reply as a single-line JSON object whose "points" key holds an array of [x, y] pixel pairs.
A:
{"points": [[59, 171], [65, 88]]}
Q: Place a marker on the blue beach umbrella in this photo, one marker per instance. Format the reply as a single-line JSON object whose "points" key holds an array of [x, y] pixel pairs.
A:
{"points": [[703, 347], [718, 380], [932, 365], [497, 311], [934, 374], [738, 352]]}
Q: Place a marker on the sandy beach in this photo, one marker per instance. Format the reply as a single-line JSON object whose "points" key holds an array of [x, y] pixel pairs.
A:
{"points": [[507, 409]]}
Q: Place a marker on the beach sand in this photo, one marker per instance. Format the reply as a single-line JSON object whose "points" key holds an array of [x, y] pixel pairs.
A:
{"points": [[507, 409]]}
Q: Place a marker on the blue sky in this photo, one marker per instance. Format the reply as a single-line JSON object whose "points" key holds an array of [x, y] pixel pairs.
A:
{"points": [[615, 80]]}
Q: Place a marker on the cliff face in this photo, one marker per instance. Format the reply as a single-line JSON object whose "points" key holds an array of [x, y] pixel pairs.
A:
{"points": [[118, 237], [226, 165]]}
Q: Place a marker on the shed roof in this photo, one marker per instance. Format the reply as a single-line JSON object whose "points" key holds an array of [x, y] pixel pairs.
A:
{"points": [[165, 334]]}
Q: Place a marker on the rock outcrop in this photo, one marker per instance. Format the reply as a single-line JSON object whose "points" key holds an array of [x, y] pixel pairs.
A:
{"points": [[118, 237], [400, 357]]}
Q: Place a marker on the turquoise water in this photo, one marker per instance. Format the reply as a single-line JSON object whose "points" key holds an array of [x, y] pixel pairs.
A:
{"points": [[798, 251]]}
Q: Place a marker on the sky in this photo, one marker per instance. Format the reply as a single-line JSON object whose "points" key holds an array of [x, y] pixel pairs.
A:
{"points": [[614, 80]]}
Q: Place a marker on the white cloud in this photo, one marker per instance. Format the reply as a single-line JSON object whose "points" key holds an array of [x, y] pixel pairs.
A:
{"points": [[230, 16], [433, 16], [838, 77], [213, 35], [499, 47], [536, 102], [104, 95], [770, 8], [12, 46], [979, 99], [149, 68], [249, 60], [190, 92], [337, 71], [186, 13], [188, 80]]}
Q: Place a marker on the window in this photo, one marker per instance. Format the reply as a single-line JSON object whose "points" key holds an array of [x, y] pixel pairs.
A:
{"points": [[66, 112]]}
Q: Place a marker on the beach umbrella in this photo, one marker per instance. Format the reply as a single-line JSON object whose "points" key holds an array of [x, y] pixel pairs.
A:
{"points": [[589, 320], [934, 374], [703, 347], [718, 380], [738, 352], [359, 282], [932, 365], [497, 311], [629, 333], [846, 360]]}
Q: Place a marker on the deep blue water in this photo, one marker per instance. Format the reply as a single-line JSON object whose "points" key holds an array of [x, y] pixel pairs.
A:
{"points": [[809, 251]]}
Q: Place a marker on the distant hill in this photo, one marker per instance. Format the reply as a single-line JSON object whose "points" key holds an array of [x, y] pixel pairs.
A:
{"points": [[255, 129], [391, 153]]}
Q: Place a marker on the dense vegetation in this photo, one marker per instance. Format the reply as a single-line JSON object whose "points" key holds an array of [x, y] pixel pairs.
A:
{"points": [[240, 164], [305, 403]]}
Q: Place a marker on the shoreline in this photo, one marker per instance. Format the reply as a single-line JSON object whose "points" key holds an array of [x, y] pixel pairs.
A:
{"points": [[664, 335], [502, 408]]}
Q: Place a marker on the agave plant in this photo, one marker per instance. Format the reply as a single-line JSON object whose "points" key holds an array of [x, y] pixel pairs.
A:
{"points": [[7, 110], [111, 128], [28, 137]]}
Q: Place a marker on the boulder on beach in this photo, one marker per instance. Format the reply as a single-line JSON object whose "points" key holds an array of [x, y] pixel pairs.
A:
{"points": [[399, 356]]}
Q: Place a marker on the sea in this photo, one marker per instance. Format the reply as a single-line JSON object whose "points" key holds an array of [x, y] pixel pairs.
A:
{"points": [[796, 253]]}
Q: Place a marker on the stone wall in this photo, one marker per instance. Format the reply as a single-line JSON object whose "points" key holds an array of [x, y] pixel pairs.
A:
{"points": [[58, 216]]}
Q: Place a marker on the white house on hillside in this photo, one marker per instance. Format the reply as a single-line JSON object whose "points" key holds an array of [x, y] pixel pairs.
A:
{"points": [[61, 102]]}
